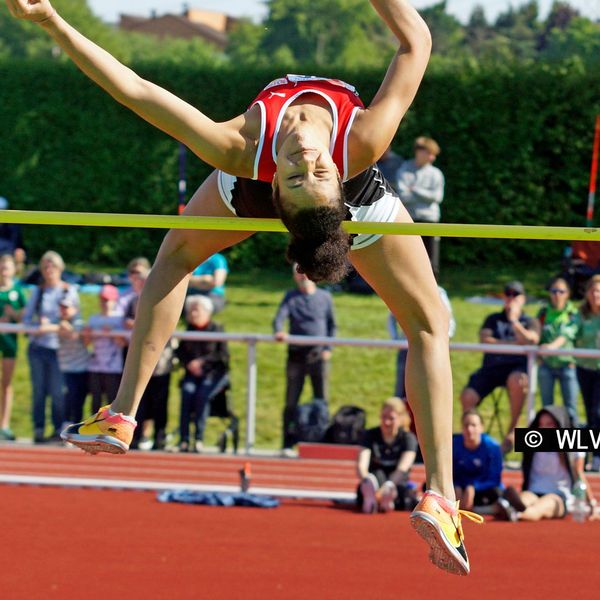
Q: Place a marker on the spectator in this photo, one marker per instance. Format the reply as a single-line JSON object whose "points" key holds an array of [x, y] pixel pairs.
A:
{"points": [[137, 273], [387, 455], [511, 326], [42, 309], [396, 333], [420, 186], [206, 366], [477, 464], [11, 241], [106, 361], [152, 412], [388, 164], [310, 312], [73, 358], [548, 477], [558, 323], [588, 369], [209, 278], [12, 302]]}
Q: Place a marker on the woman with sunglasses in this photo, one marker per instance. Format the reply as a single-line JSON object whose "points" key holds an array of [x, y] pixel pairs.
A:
{"points": [[307, 137], [558, 321]]}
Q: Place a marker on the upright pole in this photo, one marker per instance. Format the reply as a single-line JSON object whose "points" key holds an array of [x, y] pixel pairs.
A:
{"points": [[593, 175], [251, 381], [182, 183]]}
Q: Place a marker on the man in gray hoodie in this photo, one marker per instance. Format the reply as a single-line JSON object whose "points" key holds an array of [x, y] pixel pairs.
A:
{"points": [[420, 186]]}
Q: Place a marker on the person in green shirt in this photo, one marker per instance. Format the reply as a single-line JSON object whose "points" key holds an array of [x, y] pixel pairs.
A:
{"points": [[12, 302], [559, 327], [588, 369]]}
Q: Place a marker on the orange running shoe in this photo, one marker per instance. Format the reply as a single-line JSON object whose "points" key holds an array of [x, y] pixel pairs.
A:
{"points": [[102, 432], [437, 521]]}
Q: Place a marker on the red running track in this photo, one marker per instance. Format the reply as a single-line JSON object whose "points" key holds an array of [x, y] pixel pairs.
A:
{"points": [[106, 544], [156, 470]]}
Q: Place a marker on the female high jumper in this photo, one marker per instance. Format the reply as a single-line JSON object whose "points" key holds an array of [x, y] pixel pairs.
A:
{"points": [[316, 144]]}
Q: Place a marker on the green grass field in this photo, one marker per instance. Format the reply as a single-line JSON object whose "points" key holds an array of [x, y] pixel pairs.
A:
{"points": [[359, 376]]}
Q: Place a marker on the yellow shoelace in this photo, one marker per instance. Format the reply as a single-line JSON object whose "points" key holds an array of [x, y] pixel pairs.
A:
{"points": [[471, 516]]}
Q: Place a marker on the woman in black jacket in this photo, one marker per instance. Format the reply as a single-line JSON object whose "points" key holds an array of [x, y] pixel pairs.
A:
{"points": [[206, 364]]}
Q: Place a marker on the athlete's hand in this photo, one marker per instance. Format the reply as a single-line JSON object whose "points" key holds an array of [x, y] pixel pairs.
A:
{"points": [[31, 10]]}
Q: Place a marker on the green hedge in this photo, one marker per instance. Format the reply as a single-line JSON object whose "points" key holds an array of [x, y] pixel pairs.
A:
{"points": [[516, 149]]}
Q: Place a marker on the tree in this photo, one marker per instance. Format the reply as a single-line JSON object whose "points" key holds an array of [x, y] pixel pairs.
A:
{"points": [[449, 38], [326, 32]]}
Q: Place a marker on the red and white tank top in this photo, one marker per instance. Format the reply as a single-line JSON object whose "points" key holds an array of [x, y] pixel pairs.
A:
{"points": [[274, 101]]}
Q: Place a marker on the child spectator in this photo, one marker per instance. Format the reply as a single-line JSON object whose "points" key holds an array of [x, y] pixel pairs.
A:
{"points": [[73, 358], [548, 477], [206, 366], [387, 455], [12, 302], [106, 362], [137, 273], [558, 321], [477, 464], [42, 310]]}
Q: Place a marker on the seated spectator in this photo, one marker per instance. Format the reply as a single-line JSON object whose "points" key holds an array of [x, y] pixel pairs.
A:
{"points": [[206, 366], [137, 273], [209, 279], [11, 241], [588, 369], [511, 326], [548, 477], [42, 309], [558, 321], [73, 358], [477, 464], [396, 333], [12, 302], [106, 361], [384, 463]]}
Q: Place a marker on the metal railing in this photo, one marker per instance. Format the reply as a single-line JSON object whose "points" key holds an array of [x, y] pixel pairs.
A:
{"points": [[253, 339]]}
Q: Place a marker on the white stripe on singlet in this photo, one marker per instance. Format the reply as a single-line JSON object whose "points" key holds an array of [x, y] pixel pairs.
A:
{"points": [[261, 137], [285, 107], [346, 134]]}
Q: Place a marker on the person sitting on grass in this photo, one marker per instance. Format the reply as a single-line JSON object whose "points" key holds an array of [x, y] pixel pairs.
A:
{"points": [[548, 477], [387, 455], [477, 464]]}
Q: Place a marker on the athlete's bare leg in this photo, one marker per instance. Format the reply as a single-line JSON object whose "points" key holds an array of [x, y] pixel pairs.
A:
{"points": [[163, 295], [398, 269]]}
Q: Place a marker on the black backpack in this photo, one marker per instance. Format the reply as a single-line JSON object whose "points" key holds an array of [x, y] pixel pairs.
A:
{"points": [[311, 421], [347, 426]]}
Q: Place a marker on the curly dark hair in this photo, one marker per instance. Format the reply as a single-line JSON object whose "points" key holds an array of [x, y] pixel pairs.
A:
{"points": [[318, 242]]}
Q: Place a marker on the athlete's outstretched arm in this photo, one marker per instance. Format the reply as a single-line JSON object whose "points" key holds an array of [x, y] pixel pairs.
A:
{"points": [[219, 144], [377, 125]]}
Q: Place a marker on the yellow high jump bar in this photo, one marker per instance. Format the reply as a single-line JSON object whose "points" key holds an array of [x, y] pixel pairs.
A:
{"points": [[515, 232]]}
